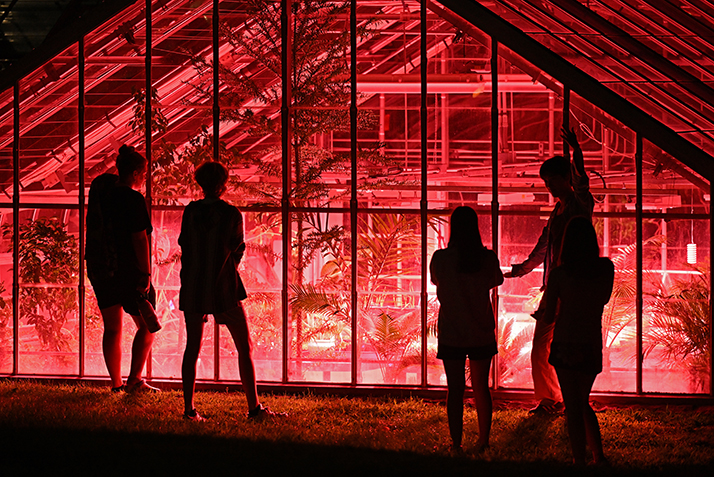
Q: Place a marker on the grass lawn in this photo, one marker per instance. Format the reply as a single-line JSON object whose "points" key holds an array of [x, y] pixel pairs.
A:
{"points": [[59, 429]]}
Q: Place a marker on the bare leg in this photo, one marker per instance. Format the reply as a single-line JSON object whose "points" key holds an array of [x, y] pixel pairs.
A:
{"points": [[482, 395], [582, 421], [111, 342], [139, 350], [238, 329], [456, 387], [194, 339]]}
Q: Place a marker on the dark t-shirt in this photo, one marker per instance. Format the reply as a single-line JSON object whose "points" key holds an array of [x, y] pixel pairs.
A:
{"points": [[212, 246], [100, 250], [126, 210]]}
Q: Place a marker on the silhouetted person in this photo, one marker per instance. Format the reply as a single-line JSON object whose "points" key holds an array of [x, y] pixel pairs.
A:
{"points": [[578, 289], [119, 265], [211, 248], [464, 273], [569, 185]]}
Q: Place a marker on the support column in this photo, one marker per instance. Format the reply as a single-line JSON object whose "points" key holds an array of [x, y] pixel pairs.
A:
{"points": [[354, 230], [639, 303], [81, 198], [286, 40], [423, 116], [495, 218]]}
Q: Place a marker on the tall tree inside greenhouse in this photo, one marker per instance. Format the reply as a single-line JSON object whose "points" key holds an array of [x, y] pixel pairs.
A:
{"points": [[320, 96]]}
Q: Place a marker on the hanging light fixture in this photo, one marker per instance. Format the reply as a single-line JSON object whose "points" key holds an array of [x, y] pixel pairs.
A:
{"points": [[691, 253], [691, 246]]}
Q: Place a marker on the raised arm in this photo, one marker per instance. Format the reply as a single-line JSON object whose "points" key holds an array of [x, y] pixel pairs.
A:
{"points": [[579, 177]]}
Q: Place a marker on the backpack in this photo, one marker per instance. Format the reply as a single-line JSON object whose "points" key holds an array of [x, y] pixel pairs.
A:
{"points": [[100, 248]]}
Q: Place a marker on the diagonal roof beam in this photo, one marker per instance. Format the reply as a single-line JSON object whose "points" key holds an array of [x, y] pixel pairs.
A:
{"points": [[584, 85], [637, 49]]}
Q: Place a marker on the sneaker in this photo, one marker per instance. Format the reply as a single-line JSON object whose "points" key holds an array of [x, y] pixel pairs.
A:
{"points": [[193, 415], [119, 389], [547, 407], [262, 412], [141, 386]]}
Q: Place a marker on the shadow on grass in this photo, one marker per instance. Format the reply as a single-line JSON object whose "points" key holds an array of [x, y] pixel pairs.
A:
{"points": [[56, 451]]}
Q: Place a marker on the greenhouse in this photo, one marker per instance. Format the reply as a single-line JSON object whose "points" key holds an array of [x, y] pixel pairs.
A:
{"points": [[351, 130]]}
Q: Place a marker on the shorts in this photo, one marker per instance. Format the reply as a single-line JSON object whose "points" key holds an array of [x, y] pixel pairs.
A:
{"points": [[472, 352], [119, 292], [583, 357], [235, 315]]}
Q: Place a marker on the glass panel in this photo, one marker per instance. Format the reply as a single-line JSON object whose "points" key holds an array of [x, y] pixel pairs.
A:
{"points": [[459, 121], [114, 79], [182, 99], [388, 289], [169, 343], [94, 364], [6, 320], [261, 271], [320, 301], [389, 101], [676, 276], [49, 267], [677, 307], [49, 142], [251, 98], [617, 238], [518, 298], [320, 98], [609, 155], [6, 143]]}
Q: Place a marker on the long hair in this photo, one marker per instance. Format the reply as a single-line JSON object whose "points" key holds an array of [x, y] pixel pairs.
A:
{"points": [[465, 237], [580, 249]]}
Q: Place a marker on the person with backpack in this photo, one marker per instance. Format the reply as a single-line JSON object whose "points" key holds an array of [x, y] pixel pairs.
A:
{"points": [[578, 290], [119, 265]]}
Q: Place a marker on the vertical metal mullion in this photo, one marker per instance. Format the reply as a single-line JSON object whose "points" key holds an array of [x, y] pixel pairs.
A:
{"points": [[494, 184], [216, 157], [353, 189], [81, 198], [286, 6], [423, 202], [566, 119], [147, 136], [16, 230], [639, 302], [711, 281]]}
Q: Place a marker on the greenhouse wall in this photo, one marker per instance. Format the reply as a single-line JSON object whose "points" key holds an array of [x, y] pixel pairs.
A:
{"points": [[351, 131]]}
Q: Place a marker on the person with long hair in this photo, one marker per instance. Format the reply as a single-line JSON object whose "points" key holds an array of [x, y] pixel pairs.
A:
{"points": [[212, 246], [578, 290], [119, 265], [464, 273]]}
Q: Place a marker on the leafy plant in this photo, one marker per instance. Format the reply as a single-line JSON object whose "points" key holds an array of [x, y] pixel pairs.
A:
{"points": [[513, 357], [680, 325], [5, 335], [48, 263]]}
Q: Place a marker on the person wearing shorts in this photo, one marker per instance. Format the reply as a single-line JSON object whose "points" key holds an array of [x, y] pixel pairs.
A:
{"points": [[212, 246], [464, 273], [119, 264]]}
